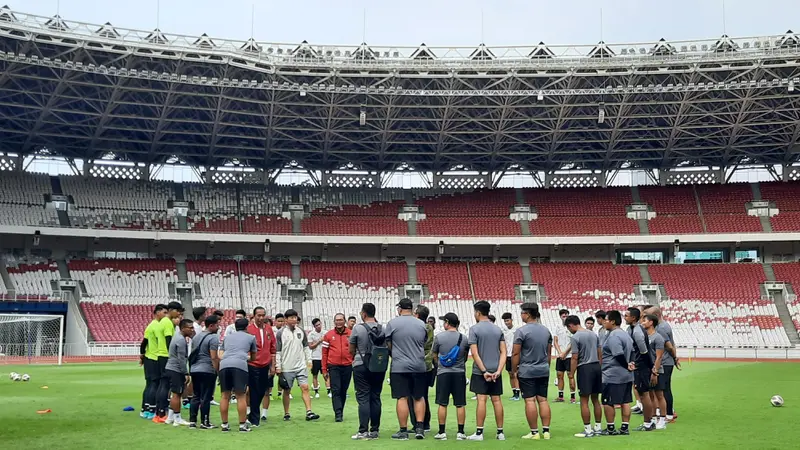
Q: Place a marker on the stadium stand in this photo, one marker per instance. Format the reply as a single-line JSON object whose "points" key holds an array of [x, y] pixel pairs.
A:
{"points": [[262, 284], [495, 281], [478, 213], [675, 207], [261, 209], [22, 199], [216, 208], [218, 282], [118, 203], [446, 280], [724, 208], [726, 313], [125, 281], [581, 211], [353, 211], [790, 273], [32, 280], [104, 319]]}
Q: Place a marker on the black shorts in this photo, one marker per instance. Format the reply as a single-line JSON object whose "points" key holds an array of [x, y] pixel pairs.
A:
{"points": [[413, 385], [563, 365], [316, 367], [641, 379], [508, 364], [177, 382], [479, 386], [151, 370], [233, 380], [617, 394], [590, 379], [162, 367], [451, 384], [662, 382], [534, 387]]}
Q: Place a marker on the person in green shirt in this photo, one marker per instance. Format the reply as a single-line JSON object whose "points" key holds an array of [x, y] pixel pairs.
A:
{"points": [[164, 332], [148, 358]]}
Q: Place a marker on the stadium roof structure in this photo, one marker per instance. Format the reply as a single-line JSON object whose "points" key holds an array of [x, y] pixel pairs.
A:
{"points": [[84, 91]]}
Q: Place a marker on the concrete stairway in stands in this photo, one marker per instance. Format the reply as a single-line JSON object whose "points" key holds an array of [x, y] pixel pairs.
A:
{"points": [[6, 278], [780, 305]]}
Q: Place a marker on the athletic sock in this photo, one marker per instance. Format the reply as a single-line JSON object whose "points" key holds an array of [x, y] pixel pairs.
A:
{"points": [[264, 412], [170, 414], [419, 426], [572, 395], [560, 394], [587, 428], [479, 431], [534, 431], [176, 417], [461, 428], [598, 426], [610, 427], [404, 429], [516, 392], [441, 428], [499, 431], [248, 410], [653, 420], [624, 426], [658, 411], [545, 429]]}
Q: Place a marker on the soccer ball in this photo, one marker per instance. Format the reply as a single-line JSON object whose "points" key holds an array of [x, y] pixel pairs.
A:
{"points": [[776, 400], [16, 377], [12, 375], [26, 377]]}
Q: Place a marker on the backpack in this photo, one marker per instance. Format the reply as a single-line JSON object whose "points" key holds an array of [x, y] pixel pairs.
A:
{"points": [[450, 359], [376, 360]]}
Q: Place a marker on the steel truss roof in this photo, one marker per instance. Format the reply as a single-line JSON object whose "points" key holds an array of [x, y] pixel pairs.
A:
{"points": [[84, 91]]}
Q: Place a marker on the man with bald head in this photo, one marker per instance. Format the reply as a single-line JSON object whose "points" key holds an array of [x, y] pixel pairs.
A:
{"points": [[670, 360]]}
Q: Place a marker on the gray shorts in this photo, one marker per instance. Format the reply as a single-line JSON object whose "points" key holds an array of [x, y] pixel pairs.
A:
{"points": [[300, 376]]}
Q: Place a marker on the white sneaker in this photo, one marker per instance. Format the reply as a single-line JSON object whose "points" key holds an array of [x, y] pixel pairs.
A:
{"points": [[461, 437], [661, 425], [440, 436], [291, 397], [179, 422], [169, 421], [475, 437], [233, 401], [216, 403], [330, 395], [474, 397], [316, 395], [501, 437]]}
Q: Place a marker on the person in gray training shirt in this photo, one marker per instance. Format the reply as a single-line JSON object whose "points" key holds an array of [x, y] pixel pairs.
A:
{"points": [[644, 366], [586, 354], [657, 344], [237, 349], [533, 345], [488, 348], [177, 371], [601, 331], [618, 370], [204, 372], [406, 336], [368, 384], [451, 378], [671, 360]]}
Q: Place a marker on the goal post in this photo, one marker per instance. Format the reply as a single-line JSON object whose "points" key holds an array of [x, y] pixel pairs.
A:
{"points": [[31, 338]]}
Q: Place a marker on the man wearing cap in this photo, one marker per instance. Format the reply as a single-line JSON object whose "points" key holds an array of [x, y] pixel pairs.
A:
{"points": [[422, 312], [261, 370], [451, 378], [164, 334], [406, 336]]}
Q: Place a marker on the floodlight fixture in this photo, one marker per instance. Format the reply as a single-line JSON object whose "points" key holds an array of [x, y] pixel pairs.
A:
{"points": [[601, 114], [362, 117]]}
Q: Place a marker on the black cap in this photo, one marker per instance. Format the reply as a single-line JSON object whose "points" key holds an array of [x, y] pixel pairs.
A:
{"points": [[176, 306], [405, 304], [451, 318]]}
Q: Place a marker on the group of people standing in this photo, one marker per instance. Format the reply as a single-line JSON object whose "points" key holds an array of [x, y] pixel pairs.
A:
{"points": [[606, 364]]}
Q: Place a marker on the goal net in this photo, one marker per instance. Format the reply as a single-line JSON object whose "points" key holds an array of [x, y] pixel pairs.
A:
{"points": [[30, 338]]}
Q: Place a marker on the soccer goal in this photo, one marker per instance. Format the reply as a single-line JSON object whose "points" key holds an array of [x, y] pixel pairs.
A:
{"points": [[31, 338]]}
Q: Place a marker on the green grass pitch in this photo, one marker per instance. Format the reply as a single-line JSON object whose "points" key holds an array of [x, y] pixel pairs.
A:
{"points": [[721, 405]]}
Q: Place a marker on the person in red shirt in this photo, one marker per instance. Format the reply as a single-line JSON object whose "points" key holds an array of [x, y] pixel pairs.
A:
{"points": [[337, 363], [260, 371]]}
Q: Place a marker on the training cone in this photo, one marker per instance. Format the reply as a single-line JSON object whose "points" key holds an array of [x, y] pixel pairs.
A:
{"points": [[128, 408]]}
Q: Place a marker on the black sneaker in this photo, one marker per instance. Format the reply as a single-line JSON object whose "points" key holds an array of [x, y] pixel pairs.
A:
{"points": [[339, 419], [225, 428], [245, 428], [311, 416], [400, 436], [207, 426], [606, 432], [287, 417], [192, 425], [419, 433], [624, 433]]}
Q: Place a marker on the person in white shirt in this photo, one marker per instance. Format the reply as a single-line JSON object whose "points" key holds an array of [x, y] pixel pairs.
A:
{"points": [[508, 334], [315, 344], [200, 315], [561, 343], [230, 329], [292, 361]]}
